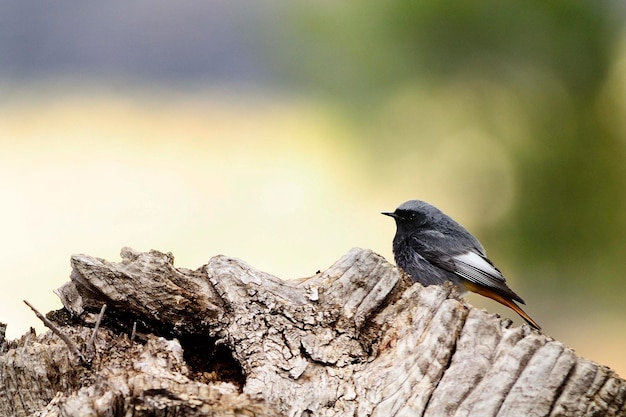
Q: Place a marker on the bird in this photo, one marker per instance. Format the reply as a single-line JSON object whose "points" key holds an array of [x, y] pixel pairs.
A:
{"points": [[432, 248]]}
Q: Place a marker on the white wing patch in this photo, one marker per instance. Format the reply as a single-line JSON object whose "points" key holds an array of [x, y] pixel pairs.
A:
{"points": [[474, 268], [476, 261]]}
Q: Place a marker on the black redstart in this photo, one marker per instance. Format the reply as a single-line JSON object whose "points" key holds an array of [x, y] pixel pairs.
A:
{"points": [[432, 248]]}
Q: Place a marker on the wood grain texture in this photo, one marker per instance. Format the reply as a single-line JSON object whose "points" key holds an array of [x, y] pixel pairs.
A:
{"points": [[358, 339]]}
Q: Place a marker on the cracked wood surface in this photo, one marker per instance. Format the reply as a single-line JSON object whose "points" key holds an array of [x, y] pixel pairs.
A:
{"points": [[357, 339]]}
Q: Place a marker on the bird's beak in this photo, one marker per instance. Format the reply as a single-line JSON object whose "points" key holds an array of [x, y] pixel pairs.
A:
{"points": [[394, 215]]}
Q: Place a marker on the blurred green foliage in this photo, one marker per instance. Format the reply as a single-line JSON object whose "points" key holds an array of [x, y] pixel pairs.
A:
{"points": [[546, 63]]}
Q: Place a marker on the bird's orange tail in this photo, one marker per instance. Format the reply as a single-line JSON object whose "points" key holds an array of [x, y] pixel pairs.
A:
{"points": [[502, 300]]}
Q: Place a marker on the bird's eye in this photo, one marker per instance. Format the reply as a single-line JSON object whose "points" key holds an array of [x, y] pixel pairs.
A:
{"points": [[410, 216], [416, 219]]}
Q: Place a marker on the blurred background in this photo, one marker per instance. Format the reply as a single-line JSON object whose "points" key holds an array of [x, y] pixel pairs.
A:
{"points": [[277, 132]]}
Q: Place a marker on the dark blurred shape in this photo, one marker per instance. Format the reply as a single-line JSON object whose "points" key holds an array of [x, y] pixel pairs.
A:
{"points": [[148, 40], [377, 46]]}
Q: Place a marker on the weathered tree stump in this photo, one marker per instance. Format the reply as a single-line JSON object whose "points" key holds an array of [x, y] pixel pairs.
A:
{"points": [[227, 340]]}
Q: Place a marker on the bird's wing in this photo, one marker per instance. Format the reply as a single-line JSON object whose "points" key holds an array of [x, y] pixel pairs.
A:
{"points": [[478, 273], [470, 264], [478, 270]]}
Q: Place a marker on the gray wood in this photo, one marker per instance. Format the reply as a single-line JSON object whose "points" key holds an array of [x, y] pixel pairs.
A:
{"points": [[357, 340]]}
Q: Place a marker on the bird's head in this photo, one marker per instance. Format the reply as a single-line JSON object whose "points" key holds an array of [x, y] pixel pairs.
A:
{"points": [[413, 215]]}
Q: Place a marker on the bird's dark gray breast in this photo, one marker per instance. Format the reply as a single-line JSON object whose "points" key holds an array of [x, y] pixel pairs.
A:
{"points": [[419, 268]]}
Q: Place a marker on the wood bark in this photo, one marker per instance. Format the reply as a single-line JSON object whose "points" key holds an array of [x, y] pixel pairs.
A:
{"points": [[358, 339]]}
